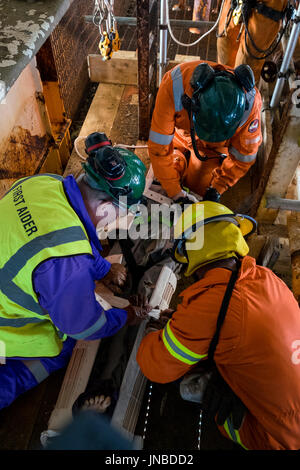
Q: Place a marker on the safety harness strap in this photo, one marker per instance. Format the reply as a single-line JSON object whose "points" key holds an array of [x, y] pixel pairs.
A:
{"points": [[268, 12], [222, 312]]}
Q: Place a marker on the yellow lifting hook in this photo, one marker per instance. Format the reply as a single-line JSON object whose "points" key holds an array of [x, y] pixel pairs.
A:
{"points": [[105, 46], [109, 43], [236, 15]]}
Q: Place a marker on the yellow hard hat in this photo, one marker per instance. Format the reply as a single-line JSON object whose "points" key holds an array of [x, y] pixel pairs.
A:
{"points": [[208, 231]]}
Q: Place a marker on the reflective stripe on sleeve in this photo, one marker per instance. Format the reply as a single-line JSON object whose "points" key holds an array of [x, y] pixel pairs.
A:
{"points": [[178, 90], [178, 350], [92, 329], [162, 139], [255, 140], [250, 96], [241, 157]]}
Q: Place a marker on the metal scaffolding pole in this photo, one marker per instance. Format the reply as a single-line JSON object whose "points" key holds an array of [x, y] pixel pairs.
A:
{"points": [[292, 42], [163, 39], [132, 21]]}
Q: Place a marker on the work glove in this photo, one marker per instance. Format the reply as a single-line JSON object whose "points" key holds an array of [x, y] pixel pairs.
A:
{"points": [[212, 195], [115, 278], [184, 197], [221, 402], [160, 323]]}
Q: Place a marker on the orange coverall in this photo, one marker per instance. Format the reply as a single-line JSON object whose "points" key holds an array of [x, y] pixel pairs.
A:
{"points": [[232, 50], [258, 353], [170, 137]]}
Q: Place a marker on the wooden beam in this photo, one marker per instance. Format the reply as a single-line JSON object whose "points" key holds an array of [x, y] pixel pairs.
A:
{"points": [[133, 385], [270, 253], [100, 118], [281, 166], [273, 230], [294, 239], [122, 69], [267, 137]]}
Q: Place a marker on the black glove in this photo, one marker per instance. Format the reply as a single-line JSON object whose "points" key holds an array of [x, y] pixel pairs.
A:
{"points": [[184, 201], [220, 401], [212, 195]]}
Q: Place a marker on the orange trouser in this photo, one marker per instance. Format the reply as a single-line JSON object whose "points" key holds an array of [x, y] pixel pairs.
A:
{"points": [[232, 50], [194, 174]]}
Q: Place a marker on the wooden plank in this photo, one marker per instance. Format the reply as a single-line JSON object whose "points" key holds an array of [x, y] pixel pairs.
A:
{"points": [[281, 166], [270, 253], [275, 230], [75, 382], [294, 239], [256, 244], [121, 69], [100, 118], [108, 295], [142, 152], [133, 385]]}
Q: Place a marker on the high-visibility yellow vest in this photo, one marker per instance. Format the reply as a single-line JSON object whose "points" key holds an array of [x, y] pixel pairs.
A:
{"points": [[37, 223]]}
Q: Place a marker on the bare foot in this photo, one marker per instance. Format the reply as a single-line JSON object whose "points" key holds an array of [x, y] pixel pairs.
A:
{"points": [[98, 403]]}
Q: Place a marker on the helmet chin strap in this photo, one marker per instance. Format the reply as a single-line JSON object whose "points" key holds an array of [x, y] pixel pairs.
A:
{"points": [[200, 157], [187, 104]]}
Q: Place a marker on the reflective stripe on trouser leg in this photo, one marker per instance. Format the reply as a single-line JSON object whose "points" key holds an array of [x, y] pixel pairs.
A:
{"points": [[233, 434]]}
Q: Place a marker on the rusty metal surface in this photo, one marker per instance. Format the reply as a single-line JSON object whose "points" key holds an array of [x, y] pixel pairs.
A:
{"points": [[23, 154], [147, 44], [24, 27], [71, 42]]}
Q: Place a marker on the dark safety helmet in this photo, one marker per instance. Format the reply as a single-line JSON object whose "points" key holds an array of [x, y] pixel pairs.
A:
{"points": [[219, 101], [114, 170]]}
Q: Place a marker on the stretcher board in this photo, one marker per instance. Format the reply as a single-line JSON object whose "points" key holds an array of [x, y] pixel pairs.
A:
{"points": [[133, 385]]}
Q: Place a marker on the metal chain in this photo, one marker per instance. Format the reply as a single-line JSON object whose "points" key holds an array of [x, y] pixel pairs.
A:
{"points": [[199, 429], [147, 410]]}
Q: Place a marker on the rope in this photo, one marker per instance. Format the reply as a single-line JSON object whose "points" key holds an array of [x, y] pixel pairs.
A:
{"points": [[84, 157], [201, 37], [271, 49]]}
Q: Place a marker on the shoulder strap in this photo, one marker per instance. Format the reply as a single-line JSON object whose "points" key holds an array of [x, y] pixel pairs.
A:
{"points": [[222, 313]]}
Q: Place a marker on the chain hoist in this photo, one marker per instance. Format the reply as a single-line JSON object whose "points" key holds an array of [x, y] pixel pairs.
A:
{"points": [[104, 18]]}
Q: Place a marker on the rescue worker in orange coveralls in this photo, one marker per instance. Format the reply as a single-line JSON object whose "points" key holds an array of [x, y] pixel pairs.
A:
{"points": [[205, 129], [254, 389], [247, 32]]}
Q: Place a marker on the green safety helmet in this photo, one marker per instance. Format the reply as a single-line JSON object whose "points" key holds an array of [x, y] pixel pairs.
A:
{"points": [[219, 101], [116, 171]]}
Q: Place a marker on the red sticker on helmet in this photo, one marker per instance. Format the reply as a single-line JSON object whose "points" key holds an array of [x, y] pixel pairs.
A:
{"points": [[253, 125]]}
